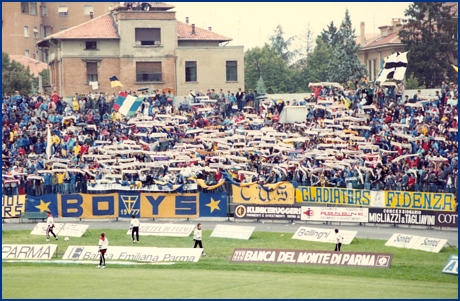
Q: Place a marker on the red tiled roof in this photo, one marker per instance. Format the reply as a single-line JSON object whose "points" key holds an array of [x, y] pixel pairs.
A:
{"points": [[392, 38], [184, 32], [35, 66], [102, 27]]}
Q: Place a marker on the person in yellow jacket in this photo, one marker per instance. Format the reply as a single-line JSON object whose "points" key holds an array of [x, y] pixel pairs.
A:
{"points": [[60, 182], [77, 148], [55, 139], [75, 105]]}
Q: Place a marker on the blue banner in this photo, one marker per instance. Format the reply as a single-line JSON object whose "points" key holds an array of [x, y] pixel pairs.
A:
{"points": [[213, 204], [42, 204], [129, 204]]}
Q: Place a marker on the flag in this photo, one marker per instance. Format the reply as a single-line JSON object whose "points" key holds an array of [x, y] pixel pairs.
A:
{"points": [[394, 67], [48, 144], [455, 68], [130, 105], [114, 82], [119, 101]]}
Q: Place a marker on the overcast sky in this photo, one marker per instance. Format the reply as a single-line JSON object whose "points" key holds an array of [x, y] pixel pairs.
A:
{"points": [[251, 23]]}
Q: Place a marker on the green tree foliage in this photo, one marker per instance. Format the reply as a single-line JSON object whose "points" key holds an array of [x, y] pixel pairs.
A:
{"points": [[318, 63], [330, 36], [411, 82], [15, 76], [281, 46], [260, 86], [346, 65], [430, 36]]}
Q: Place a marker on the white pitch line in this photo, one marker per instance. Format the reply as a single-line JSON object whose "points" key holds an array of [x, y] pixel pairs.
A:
{"points": [[85, 262]]}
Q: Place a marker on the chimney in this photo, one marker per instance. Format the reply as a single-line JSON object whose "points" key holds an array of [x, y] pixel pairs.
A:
{"points": [[395, 22], [210, 28], [186, 20], [193, 29], [362, 34]]}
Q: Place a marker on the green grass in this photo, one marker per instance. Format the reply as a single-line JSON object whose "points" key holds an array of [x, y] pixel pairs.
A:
{"points": [[413, 274]]}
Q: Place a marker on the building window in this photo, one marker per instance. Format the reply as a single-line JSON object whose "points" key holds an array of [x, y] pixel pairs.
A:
{"points": [[148, 36], [27, 53], [35, 32], [87, 10], [44, 11], [374, 69], [63, 10], [148, 72], [26, 31], [46, 31], [190, 72], [62, 28], [45, 56], [369, 65], [91, 71], [91, 45], [29, 8], [231, 68]]}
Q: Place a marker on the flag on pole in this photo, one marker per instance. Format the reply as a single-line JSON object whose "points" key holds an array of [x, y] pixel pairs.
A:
{"points": [[455, 68], [114, 82], [394, 67], [49, 142], [130, 105]]}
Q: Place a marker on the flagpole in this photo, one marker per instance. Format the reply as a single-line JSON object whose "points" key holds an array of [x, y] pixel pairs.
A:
{"points": [[48, 144]]}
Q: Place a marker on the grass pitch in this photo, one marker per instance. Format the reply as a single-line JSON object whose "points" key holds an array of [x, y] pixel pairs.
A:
{"points": [[413, 274]]}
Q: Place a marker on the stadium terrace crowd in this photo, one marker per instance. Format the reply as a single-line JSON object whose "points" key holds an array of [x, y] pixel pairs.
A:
{"points": [[355, 137]]}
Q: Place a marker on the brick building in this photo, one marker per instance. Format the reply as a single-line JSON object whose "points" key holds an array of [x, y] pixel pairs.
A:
{"points": [[143, 49], [25, 23]]}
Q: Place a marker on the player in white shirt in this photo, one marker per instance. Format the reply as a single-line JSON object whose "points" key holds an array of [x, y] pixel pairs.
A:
{"points": [[50, 223], [338, 240], [197, 237], [134, 227], [103, 244]]}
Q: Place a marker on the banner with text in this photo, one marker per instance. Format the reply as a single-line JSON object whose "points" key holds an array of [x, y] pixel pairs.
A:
{"points": [[13, 206], [335, 214], [356, 259], [154, 205], [28, 251], [150, 254], [71, 230], [267, 212], [451, 266], [446, 219], [336, 196], [129, 203], [420, 200], [272, 194], [402, 217], [429, 244], [236, 232], [323, 235], [40, 228], [399, 240], [165, 230]]}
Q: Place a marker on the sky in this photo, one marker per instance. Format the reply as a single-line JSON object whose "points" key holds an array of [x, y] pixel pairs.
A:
{"points": [[251, 23]]}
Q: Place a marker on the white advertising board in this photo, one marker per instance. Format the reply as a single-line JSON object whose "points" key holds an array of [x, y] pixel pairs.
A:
{"points": [[451, 266], [323, 235], [40, 228], [165, 230], [399, 240], [429, 244], [236, 232], [150, 254], [334, 214], [28, 251], [73, 230]]}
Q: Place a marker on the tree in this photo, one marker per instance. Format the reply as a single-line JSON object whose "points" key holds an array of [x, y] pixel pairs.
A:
{"points": [[281, 46], [15, 76], [411, 82], [346, 65], [330, 35], [260, 87], [318, 63], [430, 36]]}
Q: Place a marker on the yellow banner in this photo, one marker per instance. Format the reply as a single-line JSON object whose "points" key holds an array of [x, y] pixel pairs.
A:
{"points": [[420, 200], [155, 205], [333, 195], [88, 205], [280, 193], [13, 206]]}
